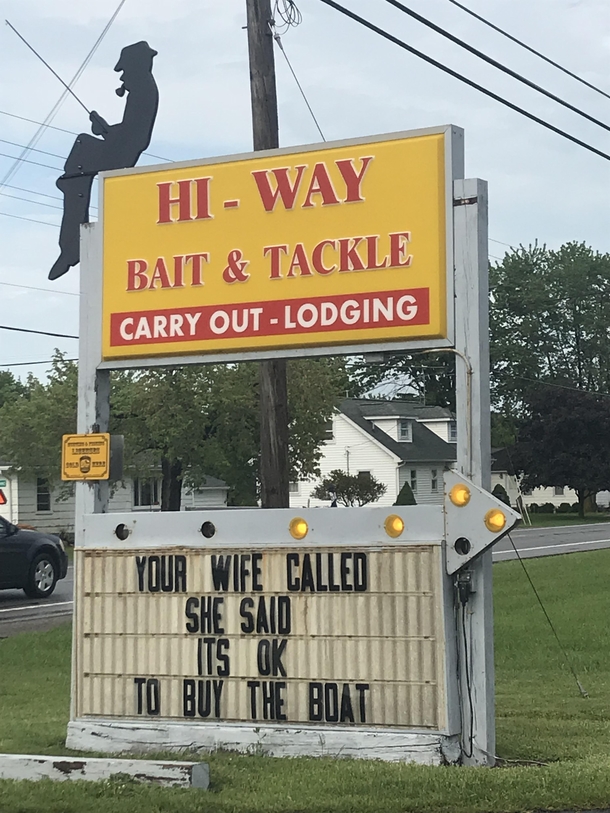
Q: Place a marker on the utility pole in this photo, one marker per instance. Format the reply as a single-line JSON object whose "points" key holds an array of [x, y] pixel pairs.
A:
{"points": [[272, 377]]}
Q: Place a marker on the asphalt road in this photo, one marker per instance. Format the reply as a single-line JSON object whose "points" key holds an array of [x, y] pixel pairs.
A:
{"points": [[18, 613], [533, 542]]}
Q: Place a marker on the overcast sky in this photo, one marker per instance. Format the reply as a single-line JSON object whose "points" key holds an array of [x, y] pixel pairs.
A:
{"points": [[541, 186]]}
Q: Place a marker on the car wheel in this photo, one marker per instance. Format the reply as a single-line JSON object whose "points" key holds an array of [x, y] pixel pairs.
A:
{"points": [[42, 577]]}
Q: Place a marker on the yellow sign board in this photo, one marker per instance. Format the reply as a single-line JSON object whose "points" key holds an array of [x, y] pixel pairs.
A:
{"points": [[337, 246], [85, 457]]}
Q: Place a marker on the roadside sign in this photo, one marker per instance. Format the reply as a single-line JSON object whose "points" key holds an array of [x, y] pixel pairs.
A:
{"points": [[335, 246], [3, 499], [85, 457], [2, 483]]}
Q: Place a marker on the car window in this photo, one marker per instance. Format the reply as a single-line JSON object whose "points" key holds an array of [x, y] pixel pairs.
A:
{"points": [[4, 528]]}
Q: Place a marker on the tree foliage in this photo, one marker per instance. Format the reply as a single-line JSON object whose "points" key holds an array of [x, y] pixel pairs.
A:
{"points": [[405, 495], [351, 489], [428, 378], [10, 387], [565, 441], [549, 318], [34, 418], [188, 422]]}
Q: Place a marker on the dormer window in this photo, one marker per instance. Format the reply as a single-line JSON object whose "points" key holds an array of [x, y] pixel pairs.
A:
{"points": [[452, 432], [405, 431]]}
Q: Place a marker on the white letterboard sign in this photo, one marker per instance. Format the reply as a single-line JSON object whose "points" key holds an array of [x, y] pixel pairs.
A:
{"points": [[310, 635]]}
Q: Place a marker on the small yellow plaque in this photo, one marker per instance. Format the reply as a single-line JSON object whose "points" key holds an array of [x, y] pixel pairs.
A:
{"points": [[85, 457]]}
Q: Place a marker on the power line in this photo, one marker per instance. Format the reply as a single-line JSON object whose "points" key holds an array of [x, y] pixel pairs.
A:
{"points": [[32, 192], [530, 49], [30, 220], [34, 288], [27, 161], [27, 200], [38, 134], [32, 363], [38, 332], [278, 40], [464, 79], [44, 152], [491, 61]]}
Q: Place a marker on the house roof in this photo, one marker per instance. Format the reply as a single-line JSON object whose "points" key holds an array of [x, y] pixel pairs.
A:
{"points": [[424, 447], [211, 482], [377, 408], [501, 460]]}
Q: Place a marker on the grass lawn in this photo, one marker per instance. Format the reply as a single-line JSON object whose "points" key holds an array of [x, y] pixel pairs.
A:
{"points": [[540, 716]]}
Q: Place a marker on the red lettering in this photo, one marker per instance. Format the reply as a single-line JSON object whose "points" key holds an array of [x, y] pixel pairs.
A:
{"points": [[183, 201], [300, 261], [179, 271], [137, 278], [203, 198], [276, 259], [197, 261], [284, 189], [372, 246], [317, 257], [349, 259], [321, 184], [160, 274], [398, 249], [353, 180]]}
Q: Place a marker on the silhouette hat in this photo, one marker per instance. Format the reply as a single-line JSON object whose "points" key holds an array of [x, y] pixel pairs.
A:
{"points": [[135, 54]]}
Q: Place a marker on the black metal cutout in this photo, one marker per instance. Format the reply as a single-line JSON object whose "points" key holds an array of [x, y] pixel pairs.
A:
{"points": [[119, 147]]}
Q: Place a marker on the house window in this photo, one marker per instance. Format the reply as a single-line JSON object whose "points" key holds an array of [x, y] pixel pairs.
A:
{"points": [[559, 491], [145, 492], [414, 480], [328, 430], [364, 475], [405, 431], [43, 495], [293, 488], [452, 432], [434, 479]]}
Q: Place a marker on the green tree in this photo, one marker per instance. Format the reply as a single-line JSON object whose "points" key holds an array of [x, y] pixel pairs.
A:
{"points": [[565, 441], [428, 378], [405, 495], [188, 422], [10, 387], [549, 318], [351, 489], [33, 422]]}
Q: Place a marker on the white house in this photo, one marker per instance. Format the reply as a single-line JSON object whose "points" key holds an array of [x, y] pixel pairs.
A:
{"points": [[394, 441], [52, 509]]}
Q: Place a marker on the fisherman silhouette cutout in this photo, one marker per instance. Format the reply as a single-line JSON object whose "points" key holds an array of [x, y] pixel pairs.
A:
{"points": [[119, 147]]}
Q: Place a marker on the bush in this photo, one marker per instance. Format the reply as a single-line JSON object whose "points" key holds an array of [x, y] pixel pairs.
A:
{"points": [[547, 508], [406, 496], [533, 508], [564, 508], [499, 493], [574, 508]]}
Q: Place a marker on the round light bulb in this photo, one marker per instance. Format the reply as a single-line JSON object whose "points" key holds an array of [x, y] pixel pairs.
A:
{"points": [[298, 528], [460, 495], [394, 525], [495, 520]]}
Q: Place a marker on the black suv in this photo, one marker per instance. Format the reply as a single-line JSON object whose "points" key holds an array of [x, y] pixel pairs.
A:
{"points": [[30, 560]]}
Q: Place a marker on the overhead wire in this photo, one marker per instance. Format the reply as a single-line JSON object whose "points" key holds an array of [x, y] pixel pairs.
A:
{"points": [[29, 219], [28, 161], [33, 149], [34, 288], [31, 363], [35, 202], [446, 69], [530, 49], [38, 134], [38, 332], [491, 61]]}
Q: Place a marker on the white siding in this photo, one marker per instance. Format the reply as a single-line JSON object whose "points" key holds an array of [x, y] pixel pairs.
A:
{"points": [[440, 427], [538, 495], [61, 516], [354, 450], [387, 425], [424, 494], [11, 492]]}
